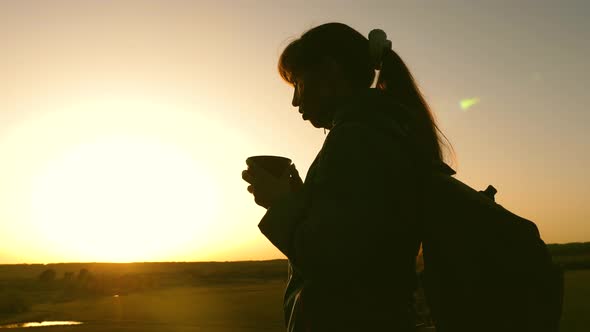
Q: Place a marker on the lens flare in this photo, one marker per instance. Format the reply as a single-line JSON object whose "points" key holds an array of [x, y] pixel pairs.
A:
{"points": [[468, 103]]}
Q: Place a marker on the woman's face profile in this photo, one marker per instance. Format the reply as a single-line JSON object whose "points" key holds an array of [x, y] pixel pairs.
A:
{"points": [[316, 95]]}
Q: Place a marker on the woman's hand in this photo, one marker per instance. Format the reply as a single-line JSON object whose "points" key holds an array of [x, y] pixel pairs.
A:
{"points": [[267, 188]]}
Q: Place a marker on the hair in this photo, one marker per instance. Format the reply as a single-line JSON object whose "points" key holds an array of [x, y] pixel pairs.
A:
{"points": [[350, 50]]}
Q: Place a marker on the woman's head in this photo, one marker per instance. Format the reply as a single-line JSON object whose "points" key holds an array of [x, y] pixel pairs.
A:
{"points": [[324, 65], [333, 61]]}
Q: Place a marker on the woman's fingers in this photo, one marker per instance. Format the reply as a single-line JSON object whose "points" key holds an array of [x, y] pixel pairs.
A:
{"points": [[255, 170], [250, 163], [258, 172], [246, 176], [261, 176]]}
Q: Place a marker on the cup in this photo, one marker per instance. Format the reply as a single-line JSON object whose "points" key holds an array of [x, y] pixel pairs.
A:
{"points": [[275, 165]]}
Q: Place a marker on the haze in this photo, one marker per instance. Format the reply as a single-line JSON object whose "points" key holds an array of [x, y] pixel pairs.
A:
{"points": [[124, 125]]}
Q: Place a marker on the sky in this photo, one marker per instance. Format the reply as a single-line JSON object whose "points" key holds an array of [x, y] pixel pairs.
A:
{"points": [[125, 125]]}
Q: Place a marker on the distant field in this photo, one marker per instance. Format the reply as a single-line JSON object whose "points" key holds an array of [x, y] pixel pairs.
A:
{"points": [[576, 311], [228, 308], [187, 303], [210, 296], [571, 256]]}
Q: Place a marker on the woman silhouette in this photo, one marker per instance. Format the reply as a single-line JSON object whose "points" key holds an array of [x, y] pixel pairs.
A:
{"points": [[349, 231]]}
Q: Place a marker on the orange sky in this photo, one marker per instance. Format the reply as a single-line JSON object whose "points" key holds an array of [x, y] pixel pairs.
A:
{"points": [[124, 126]]}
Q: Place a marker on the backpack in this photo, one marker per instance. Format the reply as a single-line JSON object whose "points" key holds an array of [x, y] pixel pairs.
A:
{"points": [[485, 268]]}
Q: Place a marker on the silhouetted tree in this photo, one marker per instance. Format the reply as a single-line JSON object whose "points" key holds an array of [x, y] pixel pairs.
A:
{"points": [[12, 302], [47, 275], [83, 275]]}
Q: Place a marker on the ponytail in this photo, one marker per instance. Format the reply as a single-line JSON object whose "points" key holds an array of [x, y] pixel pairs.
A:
{"points": [[396, 80]]}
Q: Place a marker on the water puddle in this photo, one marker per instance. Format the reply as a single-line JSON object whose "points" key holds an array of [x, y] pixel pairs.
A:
{"points": [[38, 324]]}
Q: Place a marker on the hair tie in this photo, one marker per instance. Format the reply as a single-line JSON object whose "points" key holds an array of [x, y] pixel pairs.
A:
{"points": [[378, 44]]}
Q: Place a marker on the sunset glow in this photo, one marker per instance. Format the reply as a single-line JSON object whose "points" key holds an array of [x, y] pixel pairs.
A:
{"points": [[123, 199], [100, 192], [125, 125]]}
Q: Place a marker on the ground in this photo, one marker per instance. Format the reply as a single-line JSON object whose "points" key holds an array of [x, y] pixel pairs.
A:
{"points": [[240, 306]]}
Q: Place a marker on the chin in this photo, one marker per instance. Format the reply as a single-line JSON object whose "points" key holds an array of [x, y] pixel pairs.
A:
{"points": [[318, 123]]}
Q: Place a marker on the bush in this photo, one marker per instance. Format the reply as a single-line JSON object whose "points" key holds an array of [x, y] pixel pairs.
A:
{"points": [[83, 275], [13, 303], [47, 275]]}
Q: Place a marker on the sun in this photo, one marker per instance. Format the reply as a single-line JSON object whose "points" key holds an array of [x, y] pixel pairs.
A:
{"points": [[123, 199], [114, 181]]}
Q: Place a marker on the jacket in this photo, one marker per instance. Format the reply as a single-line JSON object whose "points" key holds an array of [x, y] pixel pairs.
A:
{"points": [[350, 234]]}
